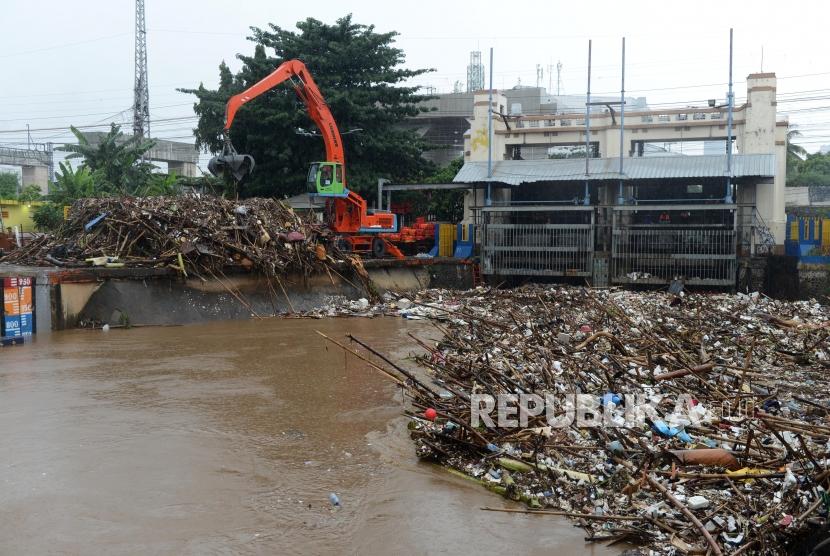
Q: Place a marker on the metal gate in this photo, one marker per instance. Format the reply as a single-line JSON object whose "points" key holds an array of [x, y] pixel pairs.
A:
{"points": [[538, 241], [655, 244]]}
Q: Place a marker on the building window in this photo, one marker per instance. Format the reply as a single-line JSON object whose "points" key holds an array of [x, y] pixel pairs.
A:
{"points": [[646, 119], [520, 123], [716, 116], [663, 118], [550, 123], [699, 116], [565, 122], [682, 117], [533, 123]]}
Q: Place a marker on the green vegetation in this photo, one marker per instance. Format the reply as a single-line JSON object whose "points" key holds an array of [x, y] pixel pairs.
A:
{"points": [[444, 206], [8, 185], [115, 162], [10, 189], [804, 168], [360, 74], [112, 167], [30, 193], [813, 170]]}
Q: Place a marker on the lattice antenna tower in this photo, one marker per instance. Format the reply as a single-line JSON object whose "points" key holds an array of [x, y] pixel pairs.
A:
{"points": [[141, 101], [475, 72]]}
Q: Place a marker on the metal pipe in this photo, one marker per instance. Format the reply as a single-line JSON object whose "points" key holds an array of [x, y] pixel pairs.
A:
{"points": [[731, 101], [620, 198], [489, 200], [587, 198]]}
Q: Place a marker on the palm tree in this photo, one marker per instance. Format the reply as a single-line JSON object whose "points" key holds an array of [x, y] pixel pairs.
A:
{"points": [[115, 161], [795, 153]]}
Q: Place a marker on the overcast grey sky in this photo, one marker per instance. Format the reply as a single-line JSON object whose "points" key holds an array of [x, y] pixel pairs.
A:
{"points": [[72, 62]]}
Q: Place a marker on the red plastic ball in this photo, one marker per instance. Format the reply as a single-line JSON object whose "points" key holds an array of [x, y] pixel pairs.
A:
{"points": [[430, 414]]}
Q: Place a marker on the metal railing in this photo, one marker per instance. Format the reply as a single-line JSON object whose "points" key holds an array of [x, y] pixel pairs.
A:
{"points": [[536, 241], [699, 253]]}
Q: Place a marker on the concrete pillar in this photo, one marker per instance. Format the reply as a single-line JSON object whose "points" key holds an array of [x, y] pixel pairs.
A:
{"points": [[36, 175], [477, 144], [183, 169], [761, 134]]}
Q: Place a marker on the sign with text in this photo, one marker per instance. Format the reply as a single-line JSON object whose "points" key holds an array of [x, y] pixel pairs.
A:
{"points": [[18, 307]]}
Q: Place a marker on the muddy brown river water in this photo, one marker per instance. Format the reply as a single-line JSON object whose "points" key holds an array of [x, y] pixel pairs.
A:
{"points": [[227, 438]]}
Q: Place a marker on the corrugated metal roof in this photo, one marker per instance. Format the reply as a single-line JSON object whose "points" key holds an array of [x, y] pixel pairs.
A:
{"points": [[515, 172]]}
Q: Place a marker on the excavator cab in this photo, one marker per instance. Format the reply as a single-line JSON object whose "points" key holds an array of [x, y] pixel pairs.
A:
{"points": [[326, 179]]}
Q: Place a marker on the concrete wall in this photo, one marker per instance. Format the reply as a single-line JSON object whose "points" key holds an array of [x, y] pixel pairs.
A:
{"points": [[814, 281], [18, 213], [762, 134], [169, 300]]}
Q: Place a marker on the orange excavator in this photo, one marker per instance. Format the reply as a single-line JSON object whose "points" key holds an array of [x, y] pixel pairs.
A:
{"points": [[359, 229]]}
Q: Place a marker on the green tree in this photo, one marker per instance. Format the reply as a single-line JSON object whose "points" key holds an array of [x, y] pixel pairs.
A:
{"points": [[69, 186], [361, 76], [115, 162], [813, 170], [795, 153], [30, 193], [161, 184], [444, 206], [48, 217], [9, 185]]}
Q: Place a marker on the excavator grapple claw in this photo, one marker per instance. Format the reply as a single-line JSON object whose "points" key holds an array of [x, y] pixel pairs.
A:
{"points": [[237, 165]]}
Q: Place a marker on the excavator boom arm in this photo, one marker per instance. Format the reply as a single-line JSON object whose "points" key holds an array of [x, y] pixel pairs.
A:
{"points": [[305, 87]]}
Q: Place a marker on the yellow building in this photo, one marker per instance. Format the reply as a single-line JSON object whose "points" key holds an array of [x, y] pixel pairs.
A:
{"points": [[17, 213]]}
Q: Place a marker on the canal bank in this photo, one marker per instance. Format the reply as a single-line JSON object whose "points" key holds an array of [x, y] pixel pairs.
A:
{"points": [[66, 298], [228, 437]]}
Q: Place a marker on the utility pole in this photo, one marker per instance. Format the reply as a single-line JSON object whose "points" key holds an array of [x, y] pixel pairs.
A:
{"points": [[728, 196], [489, 201], [550, 79], [558, 77], [587, 199], [141, 98], [620, 196]]}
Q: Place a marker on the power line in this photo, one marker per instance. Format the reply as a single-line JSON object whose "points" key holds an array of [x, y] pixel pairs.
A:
{"points": [[85, 115], [62, 46], [87, 126]]}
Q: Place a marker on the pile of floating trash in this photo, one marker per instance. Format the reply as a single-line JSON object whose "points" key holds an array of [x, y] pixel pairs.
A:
{"points": [[194, 233], [689, 423]]}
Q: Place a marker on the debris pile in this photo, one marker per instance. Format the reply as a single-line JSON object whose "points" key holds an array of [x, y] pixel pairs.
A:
{"points": [[194, 233], [708, 415]]}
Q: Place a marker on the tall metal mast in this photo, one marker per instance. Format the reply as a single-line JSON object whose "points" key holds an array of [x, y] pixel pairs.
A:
{"points": [[141, 102]]}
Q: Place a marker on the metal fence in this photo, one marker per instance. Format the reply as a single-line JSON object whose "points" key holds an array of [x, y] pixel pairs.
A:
{"points": [[701, 253], [538, 241]]}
